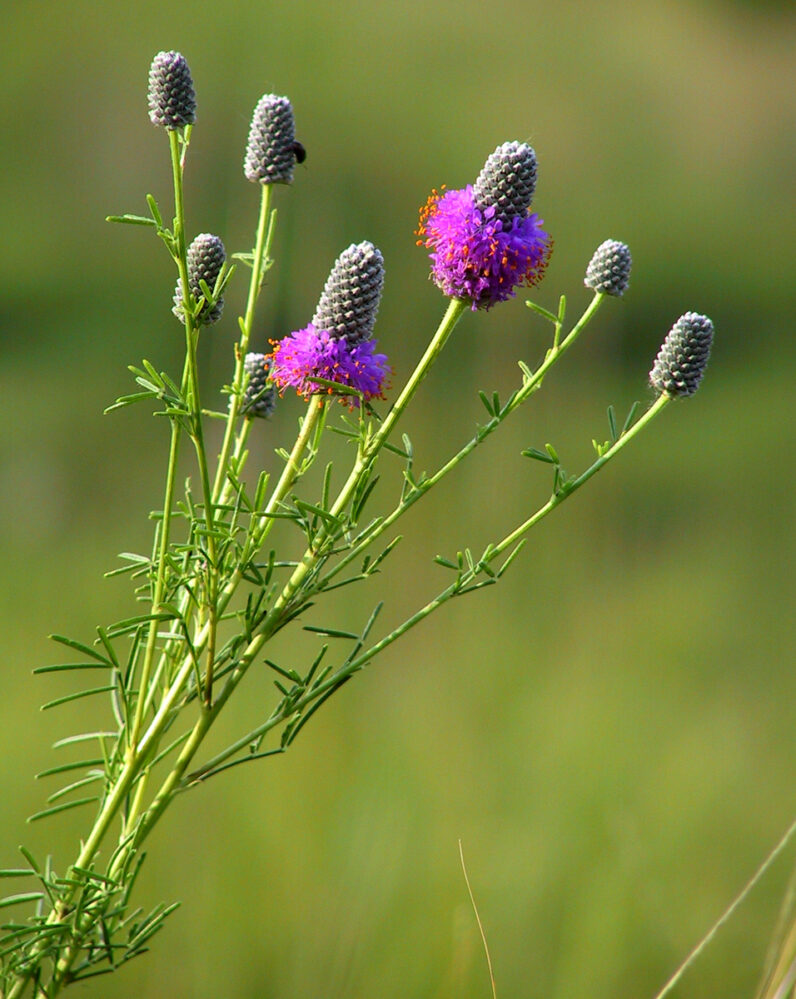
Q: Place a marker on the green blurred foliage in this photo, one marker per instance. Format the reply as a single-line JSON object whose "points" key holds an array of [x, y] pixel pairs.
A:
{"points": [[610, 731]]}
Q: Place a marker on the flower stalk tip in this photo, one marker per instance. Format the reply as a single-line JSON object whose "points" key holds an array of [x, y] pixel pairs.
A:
{"points": [[683, 357], [172, 101], [507, 182], [350, 299], [272, 150], [609, 269]]}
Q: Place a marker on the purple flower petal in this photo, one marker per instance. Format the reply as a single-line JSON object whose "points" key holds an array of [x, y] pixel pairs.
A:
{"points": [[309, 354], [473, 256]]}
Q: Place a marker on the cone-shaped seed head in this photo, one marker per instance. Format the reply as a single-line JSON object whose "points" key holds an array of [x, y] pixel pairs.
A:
{"points": [[683, 357], [259, 399], [508, 181], [609, 268], [350, 300], [271, 149], [172, 101], [205, 256]]}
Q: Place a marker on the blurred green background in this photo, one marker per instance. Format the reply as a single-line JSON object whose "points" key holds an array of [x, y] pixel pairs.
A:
{"points": [[610, 731]]}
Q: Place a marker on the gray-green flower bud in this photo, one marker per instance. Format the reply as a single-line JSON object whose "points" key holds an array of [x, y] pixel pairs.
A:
{"points": [[609, 268], [205, 256], [172, 101], [352, 293], [272, 150], [259, 398], [507, 182], [683, 356]]}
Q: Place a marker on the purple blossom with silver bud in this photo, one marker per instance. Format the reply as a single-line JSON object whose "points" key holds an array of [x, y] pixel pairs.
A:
{"points": [[609, 269], [259, 397], [172, 101], [336, 345], [683, 356], [205, 256], [272, 149], [483, 241]]}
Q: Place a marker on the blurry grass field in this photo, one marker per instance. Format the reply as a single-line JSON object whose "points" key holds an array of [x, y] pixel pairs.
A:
{"points": [[609, 731]]}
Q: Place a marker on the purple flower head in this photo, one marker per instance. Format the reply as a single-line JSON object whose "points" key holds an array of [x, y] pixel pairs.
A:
{"points": [[272, 150], [309, 354], [205, 257], [172, 101], [683, 357], [337, 345], [483, 242]]}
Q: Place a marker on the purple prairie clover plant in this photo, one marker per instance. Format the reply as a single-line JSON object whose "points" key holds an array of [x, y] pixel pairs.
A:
{"points": [[483, 241], [216, 591], [336, 345]]}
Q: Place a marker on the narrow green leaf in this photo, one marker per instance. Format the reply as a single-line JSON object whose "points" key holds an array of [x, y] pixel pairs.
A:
{"points": [[288, 674], [131, 623], [485, 400], [359, 501], [17, 872], [631, 416], [66, 767], [78, 783], [476, 586], [61, 667], [151, 925], [84, 737], [94, 876], [78, 695], [331, 632], [303, 719], [445, 562], [30, 859], [316, 663], [61, 808], [552, 452], [537, 455], [153, 207], [85, 649], [508, 404], [260, 491], [131, 220], [128, 400], [337, 387], [612, 423], [381, 557], [541, 311], [324, 515], [525, 370], [393, 448], [30, 896]]}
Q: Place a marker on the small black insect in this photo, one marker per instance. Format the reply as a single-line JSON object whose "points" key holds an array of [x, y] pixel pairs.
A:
{"points": [[299, 152]]}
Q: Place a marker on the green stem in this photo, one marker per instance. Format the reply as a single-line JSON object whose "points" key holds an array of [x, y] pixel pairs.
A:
{"points": [[260, 256], [157, 596]]}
